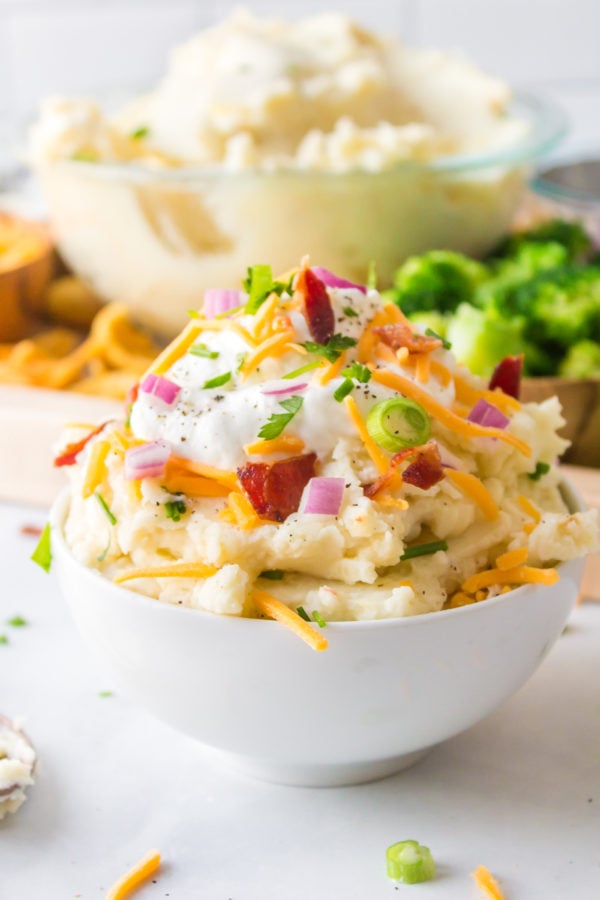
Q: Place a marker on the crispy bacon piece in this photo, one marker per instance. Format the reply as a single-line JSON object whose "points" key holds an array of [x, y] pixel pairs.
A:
{"points": [[423, 471], [69, 455], [507, 376], [400, 335], [275, 489], [317, 306]]}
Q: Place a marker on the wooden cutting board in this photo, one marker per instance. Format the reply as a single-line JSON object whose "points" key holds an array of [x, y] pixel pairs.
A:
{"points": [[587, 482]]}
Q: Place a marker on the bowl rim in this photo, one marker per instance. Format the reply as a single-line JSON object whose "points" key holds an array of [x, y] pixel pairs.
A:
{"points": [[547, 120], [58, 513]]}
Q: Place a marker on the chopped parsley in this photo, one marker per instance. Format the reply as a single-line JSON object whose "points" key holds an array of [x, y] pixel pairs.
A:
{"points": [[431, 333], [175, 509], [345, 388], [203, 350], [334, 347], [278, 421], [541, 468], [423, 550], [17, 622], [259, 284], [42, 555], [351, 313], [139, 133], [358, 372], [273, 574], [319, 619], [217, 381], [315, 364], [109, 515], [302, 613]]}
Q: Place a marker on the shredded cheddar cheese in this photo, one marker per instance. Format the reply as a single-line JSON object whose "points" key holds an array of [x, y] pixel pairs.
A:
{"points": [[243, 513], [528, 507], [333, 369], [476, 490], [487, 883], [377, 455], [285, 443], [273, 346], [512, 558], [222, 476], [96, 468], [174, 570], [175, 349], [516, 575], [140, 872], [470, 395], [423, 369], [273, 608], [193, 485]]}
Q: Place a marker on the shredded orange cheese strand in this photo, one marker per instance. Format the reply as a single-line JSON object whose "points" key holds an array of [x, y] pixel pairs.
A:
{"points": [[285, 443], [385, 353], [175, 570], [459, 599], [193, 485], [487, 883], [333, 369], [368, 340], [529, 527], [528, 507], [96, 468], [423, 367], [476, 490], [222, 476], [449, 419], [275, 609], [175, 349], [273, 346], [378, 456], [244, 514], [132, 879], [517, 575], [386, 500], [465, 393], [263, 319], [512, 558], [441, 372]]}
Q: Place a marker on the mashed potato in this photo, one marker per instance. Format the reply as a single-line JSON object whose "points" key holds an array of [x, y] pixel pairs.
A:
{"points": [[284, 385]]}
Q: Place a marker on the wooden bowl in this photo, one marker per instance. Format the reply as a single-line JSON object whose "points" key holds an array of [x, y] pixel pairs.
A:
{"points": [[26, 267], [580, 401]]}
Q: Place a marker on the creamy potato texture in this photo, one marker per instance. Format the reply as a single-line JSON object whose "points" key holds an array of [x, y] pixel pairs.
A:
{"points": [[482, 501]]}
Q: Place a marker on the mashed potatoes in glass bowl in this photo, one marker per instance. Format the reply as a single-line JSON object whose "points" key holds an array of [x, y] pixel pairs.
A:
{"points": [[266, 137], [302, 452]]}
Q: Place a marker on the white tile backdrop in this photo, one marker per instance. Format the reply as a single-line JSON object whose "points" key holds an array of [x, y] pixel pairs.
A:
{"points": [[106, 47]]}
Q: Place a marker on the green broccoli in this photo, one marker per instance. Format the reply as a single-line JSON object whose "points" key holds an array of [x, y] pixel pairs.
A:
{"points": [[570, 235], [582, 361], [437, 281], [528, 261], [562, 306], [480, 338]]}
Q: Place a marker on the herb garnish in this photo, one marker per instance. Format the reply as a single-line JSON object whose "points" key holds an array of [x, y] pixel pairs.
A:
{"points": [[431, 333], [175, 509], [345, 388], [139, 133], [541, 468], [105, 694], [278, 421], [17, 622], [217, 381], [109, 515], [315, 364], [203, 350], [3, 639], [334, 347], [302, 613], [423, 550], [89, 156], [272, 574], [319, 619], [358, 372], [42, 555], [260, 284], [351, 313]]}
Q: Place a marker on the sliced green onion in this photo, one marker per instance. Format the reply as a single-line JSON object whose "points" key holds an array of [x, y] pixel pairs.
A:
{"points": [[345, 388], [431, 333], [3, 639], [230, 312], [334, 347], [105, 694], [398, 423], [17, 622], [302, 613], [423, 550], [109, 515], [319, 619], [217, 381], [240, 359], [272, 574], [541, 468], [258, 286], [203, 350], [140, 133], [351, 313], [315, 364], [278, 421], [102, 555], [372, 276], [410, 862], [358, 372], [42, 555], [174, 509]]}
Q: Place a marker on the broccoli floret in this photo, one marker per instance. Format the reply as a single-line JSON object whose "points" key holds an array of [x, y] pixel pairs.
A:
{"points": [[582, 361], [562, 306], [529, 261], [480, 338], [437, 281], [572, 236]]}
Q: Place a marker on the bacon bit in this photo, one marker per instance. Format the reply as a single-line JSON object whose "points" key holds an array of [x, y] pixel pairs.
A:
{"points": [[69, 455], [401, 335], [317, 306], [423, 472], [31, 530], [507, 376], [275, 490]]}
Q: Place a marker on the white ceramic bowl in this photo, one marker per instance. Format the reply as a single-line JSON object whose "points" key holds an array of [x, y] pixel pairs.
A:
{"points": [[379, 697], [140, 235]]}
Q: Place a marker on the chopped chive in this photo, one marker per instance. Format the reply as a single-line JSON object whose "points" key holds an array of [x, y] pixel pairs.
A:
{"points": [[203, 350], [372, 276], [240, 360], [105, 694], [319, 619], [258, 285], [175, 509], [217, 381], [102, 556], [431, 333], [351, 313], [423, 550], [278, 421], [42, 555], [357, 371], [541, 468], [315, 364], [109, 515], [272, 574], [409, 862], [3, 639], [302, 613], [345, 388], [139, 133], [17, 622], [230, 312]]}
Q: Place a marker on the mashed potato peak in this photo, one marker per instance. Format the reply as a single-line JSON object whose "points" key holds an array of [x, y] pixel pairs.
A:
{"points": [[245, 412]]}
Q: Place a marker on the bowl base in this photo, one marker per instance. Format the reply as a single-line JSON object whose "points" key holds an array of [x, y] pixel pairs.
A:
{"points": [[319, 775]]}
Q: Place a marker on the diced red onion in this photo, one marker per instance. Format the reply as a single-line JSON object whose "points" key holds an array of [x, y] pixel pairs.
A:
{"points": [[147, 460], [323, 496], [484, 413], [280, 388], [160, 387], [221, 300], [330, 280]]}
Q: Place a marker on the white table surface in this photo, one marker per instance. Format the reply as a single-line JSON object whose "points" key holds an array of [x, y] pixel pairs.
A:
{"points": [[519, 793]]}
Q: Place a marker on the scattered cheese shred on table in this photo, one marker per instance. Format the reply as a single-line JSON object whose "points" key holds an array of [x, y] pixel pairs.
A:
{"points": [[132, 879], [486, 882]]}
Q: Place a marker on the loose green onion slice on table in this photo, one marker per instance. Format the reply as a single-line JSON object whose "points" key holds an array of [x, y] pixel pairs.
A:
{"points": [[398, 423], [42, 555], [410, 862], [423, 550]]}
